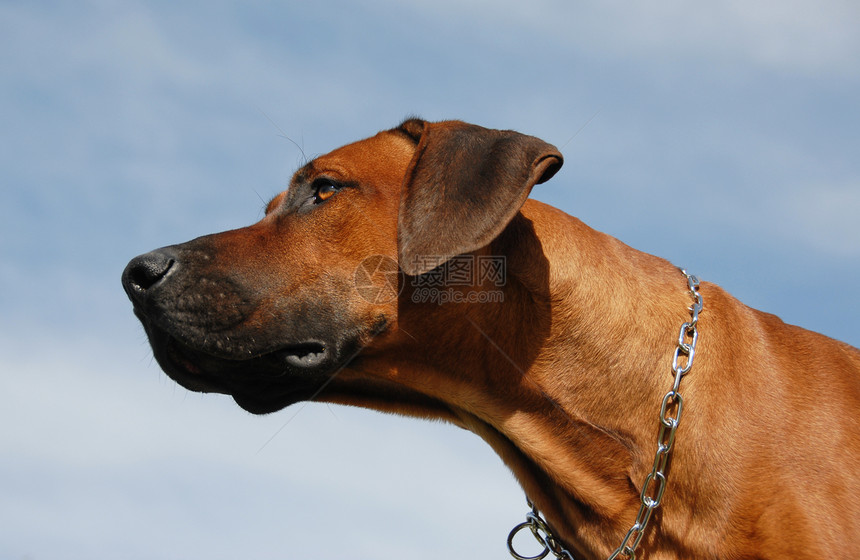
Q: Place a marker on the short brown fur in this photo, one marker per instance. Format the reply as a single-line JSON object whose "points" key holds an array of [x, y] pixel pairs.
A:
{"points": [[563, 377]]}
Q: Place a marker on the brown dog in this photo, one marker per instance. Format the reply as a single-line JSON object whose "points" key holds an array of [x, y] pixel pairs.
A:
{"points": [[551, 341]]}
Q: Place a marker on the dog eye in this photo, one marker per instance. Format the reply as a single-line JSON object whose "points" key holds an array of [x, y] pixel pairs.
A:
{"points": [[324, 189]]}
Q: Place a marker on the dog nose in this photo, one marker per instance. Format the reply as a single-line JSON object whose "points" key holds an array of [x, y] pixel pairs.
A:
{"points": [[145, 271]]}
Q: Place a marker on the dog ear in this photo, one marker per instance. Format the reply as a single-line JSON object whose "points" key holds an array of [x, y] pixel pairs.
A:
{"points": [[463, 186]]}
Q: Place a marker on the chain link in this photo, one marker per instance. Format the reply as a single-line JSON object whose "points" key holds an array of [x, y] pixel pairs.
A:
{"points": [[655, 483], [542, 534]]}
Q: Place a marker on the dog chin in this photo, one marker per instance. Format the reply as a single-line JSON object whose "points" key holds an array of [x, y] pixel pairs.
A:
{"points": [[260, 384], [258, 405]]}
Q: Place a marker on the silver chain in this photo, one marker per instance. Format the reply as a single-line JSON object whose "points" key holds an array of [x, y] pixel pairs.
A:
{"points": [[655, 482], [541, 532]]}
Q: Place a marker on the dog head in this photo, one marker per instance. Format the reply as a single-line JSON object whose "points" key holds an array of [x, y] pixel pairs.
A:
{"points": [[272, 313]]}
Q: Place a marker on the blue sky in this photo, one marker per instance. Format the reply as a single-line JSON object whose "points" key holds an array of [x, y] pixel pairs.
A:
{"points": [[723, 136]]}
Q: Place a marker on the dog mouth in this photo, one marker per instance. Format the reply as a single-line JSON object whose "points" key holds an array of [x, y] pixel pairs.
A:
{"points": [[304, 355], [263, 372], [259, 384]]}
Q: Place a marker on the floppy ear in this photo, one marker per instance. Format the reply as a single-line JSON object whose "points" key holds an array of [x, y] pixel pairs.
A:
{"points": [[464, 185]]}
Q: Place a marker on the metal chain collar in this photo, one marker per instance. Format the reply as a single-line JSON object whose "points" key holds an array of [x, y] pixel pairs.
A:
{"points": [[655, 482]]}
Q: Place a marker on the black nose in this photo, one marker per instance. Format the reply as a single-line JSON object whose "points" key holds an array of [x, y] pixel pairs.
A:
{"points": [[146, 271]]}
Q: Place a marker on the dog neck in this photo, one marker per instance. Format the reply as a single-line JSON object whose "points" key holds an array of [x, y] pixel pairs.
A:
{"points": [[571, 410], [587, 403]]}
